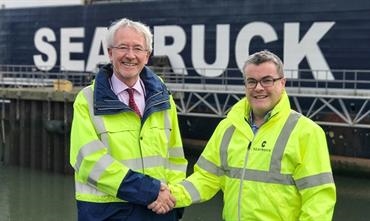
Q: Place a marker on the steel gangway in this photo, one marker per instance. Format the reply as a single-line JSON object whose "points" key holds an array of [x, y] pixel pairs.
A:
{"points": [[344, 101]]}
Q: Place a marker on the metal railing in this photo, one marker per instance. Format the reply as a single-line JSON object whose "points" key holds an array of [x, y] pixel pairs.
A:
{"points": [[346, 99], [17, 76], [354, 82], [342, 101]]}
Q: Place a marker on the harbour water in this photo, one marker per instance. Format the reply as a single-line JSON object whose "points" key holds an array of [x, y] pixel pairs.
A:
{"points": [[31, 195]]}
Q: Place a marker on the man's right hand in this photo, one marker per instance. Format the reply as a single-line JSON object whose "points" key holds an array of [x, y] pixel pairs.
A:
{"points": [[164, 202]]}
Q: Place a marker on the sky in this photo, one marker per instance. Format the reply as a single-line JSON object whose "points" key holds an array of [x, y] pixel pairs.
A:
{"points": [[36, 3]]}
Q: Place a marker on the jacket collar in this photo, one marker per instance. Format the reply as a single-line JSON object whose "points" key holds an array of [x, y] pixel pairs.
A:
{"points": [[106, 102], [240, 112]]}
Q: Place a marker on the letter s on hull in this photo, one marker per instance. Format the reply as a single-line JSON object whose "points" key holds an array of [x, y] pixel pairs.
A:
{"points": [[42, 40]]}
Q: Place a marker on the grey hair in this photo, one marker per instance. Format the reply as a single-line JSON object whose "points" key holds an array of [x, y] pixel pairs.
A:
{"points": [[138, 26], [265, 56]]}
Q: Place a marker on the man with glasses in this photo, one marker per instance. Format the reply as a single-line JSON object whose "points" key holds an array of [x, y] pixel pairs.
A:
{"points": [[271, 162], [125, 140]]}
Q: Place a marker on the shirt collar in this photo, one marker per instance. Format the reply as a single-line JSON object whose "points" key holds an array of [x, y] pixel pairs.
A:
{"points": [[265, 118], [118, 86], [253, 125]]}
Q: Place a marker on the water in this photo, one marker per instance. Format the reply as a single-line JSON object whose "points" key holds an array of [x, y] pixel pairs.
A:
{"points": [[27, 195]]}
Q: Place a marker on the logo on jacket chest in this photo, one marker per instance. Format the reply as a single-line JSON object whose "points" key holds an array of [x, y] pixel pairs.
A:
{"points": [[262, 147]]}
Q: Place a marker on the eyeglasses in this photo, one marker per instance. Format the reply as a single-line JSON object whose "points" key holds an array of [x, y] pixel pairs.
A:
{"points": [[251, 83], [126, 49]]}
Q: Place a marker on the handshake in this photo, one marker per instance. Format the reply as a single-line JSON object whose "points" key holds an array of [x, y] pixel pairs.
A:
{"points": [[164, 203]]}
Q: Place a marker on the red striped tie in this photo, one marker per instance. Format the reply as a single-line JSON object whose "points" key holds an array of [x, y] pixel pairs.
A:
{"points": [[131, 101]]}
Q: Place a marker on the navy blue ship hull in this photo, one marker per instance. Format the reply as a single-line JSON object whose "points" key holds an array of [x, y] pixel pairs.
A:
{"points": [[311, 34], [205, 37]]}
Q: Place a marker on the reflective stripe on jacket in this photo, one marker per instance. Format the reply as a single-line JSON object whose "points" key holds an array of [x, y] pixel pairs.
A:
{"points": [[282, 172], [109, 141]]}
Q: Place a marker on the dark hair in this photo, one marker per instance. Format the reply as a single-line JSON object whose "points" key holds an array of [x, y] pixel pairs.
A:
{"points": [[265, 56]]}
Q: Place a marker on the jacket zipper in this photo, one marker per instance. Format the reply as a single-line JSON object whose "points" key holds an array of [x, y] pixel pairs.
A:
{"points": [[242, 181]]}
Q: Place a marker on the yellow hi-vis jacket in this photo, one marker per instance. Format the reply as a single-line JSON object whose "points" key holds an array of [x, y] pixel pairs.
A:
{"points": [[282, 172], [109, 143]]}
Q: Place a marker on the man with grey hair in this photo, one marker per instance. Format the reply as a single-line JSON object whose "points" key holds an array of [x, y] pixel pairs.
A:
{"points": [[271, 162], [125, 140]]}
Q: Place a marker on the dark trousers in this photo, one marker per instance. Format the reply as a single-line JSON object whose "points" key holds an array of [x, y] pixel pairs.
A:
{"points": [[120, 212]]}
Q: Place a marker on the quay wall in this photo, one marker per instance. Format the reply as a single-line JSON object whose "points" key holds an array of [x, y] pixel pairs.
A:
{"points": [[35, 130]]}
